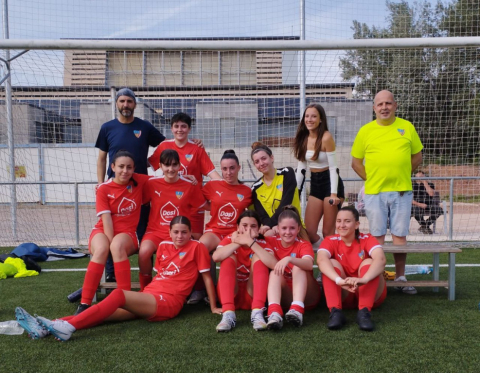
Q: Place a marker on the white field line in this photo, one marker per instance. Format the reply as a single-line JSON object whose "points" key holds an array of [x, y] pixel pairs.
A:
{"points": [[315, 266]]}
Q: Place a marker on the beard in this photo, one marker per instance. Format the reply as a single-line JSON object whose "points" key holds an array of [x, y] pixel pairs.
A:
{"points": [[126, 112]]}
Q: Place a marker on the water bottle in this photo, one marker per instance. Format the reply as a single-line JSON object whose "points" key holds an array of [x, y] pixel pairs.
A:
{"points": [[11, 328], [417, 270]]}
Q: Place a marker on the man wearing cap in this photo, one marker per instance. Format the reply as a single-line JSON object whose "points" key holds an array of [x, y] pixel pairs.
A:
{"points": [[126, 132]]}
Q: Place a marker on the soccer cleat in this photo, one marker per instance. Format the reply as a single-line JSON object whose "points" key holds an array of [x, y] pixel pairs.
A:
{"points": [[258, 320], [275, 321], [196, 297], [294, 317], [228, 322], [405, 289], [336, 319], [364, 320], [81, 307], [30, 324], [60, 329]]}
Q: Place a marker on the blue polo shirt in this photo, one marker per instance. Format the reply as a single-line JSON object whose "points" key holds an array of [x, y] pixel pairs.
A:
{"points": [[134, 137]]}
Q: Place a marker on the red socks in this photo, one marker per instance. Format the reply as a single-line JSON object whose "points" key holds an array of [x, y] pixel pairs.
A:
{"points": [[275, 307], [98, 312], [333, 292], [144, 280], [298, 306], [91, 281], [226, 284], [260, 284], [366, 293], [123, 275]]}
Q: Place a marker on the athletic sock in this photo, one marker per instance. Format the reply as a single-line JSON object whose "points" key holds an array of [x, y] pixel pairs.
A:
{"points": [[333, 292], [226, 284], [275, 307], [144, 280], [99, 312], [298, 306], [91, 281], [260, 284], [366, 293], [123, 274]]}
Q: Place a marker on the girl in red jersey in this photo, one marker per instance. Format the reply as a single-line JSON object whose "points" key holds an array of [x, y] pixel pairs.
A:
{"points": [[291, 282], [118, 203], [169, 195], [246, 259], [228, 199], [194, 161], [352, 266], [178, 263]]}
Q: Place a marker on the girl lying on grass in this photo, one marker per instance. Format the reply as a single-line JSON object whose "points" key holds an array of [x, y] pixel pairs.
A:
{"points": [[352, 266], [291, 282], [178, 262]]}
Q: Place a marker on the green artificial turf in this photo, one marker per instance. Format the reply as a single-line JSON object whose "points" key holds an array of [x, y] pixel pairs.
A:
{"points": [[420, 333]]}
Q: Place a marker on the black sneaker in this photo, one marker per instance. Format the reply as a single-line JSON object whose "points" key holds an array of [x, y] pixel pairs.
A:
{"points": [[336, 320], [81, 307], [364, 320], [110, 277]]}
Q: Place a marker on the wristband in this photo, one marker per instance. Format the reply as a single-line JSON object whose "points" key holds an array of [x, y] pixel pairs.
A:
{"points": [[338, 279], [254, 240]]}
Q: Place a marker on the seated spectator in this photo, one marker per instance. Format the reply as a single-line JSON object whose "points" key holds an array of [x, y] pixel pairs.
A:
{"points": [[424, 204]]}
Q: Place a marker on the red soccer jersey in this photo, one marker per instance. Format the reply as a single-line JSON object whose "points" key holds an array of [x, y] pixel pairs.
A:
{"points": [[123, 202], [168, 200], [194, 160], [244, 257], [350, 257], [177, 269], [300, 249], [227, 203]]}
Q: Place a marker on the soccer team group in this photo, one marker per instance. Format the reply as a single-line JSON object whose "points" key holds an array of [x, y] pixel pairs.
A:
{"points": [[256, 234]]}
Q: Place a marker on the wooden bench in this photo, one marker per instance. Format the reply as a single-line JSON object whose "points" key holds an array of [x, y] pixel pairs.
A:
{"points": [[435, 249]]}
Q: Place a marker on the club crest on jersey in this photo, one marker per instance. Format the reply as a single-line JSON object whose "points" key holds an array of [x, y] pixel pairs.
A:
{"points": [[293, 255], [280, 187], [401, 131], [181, 255], [137, 133], [250, 256], [227, 214], [188, 157], [179, 194], [168, 212], [240, 197], [129, 188], [361, 254]]}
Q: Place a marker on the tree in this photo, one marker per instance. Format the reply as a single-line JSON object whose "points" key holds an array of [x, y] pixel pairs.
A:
{"points": [[435, 87]]}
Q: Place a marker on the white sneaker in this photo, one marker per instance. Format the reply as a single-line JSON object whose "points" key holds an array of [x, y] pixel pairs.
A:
{"points": [[258, 320], [294, 317], [228, 322], [275, 321], [405, 289], [196, 297], [60, 329], [30, 324]]}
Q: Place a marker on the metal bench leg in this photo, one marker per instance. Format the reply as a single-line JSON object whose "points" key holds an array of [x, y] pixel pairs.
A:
{"points": [[436, 269], [451, 276]]}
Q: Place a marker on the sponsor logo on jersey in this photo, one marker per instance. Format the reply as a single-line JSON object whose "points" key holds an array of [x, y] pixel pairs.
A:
{"points": [[401, 131], [158, 193], [227, 214], [171, 270], [219, 193], [168, 212], [179, 194], [293, 255], [137, 133], [126, 206], [163, 257], [280, 187], [111, 196], [129, 188], [181, 255], [240, 197], [183, 170], [340, 256], [188, 157], [361, 254]]}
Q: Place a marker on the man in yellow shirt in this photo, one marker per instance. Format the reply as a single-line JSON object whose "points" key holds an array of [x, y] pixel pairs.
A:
{"points": [[391, 149]]}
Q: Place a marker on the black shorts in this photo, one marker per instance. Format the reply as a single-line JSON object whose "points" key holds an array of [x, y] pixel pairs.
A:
{"points": [[320, 185]]}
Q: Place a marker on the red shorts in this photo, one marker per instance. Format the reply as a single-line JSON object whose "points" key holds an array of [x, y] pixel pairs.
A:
{"points": [[197, 220], [243, 300], [168, 305], [155, 237], [220, 236], [351, 301], [95, 231]]}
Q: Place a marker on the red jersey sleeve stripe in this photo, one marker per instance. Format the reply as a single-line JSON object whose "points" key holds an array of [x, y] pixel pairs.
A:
{"points": [[204, 270], [103, 212]]}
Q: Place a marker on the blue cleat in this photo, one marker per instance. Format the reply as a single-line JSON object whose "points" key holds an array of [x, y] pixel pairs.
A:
{"points": [[30, 324]]}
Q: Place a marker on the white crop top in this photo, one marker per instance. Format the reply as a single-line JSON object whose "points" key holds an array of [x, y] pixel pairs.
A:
{"points": [[324, 160]]}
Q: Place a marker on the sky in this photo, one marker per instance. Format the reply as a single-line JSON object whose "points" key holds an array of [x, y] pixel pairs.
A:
{"points": [[55, 19]]}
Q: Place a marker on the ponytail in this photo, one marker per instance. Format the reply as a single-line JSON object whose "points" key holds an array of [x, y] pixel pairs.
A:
{"points": [[291, 212]]}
